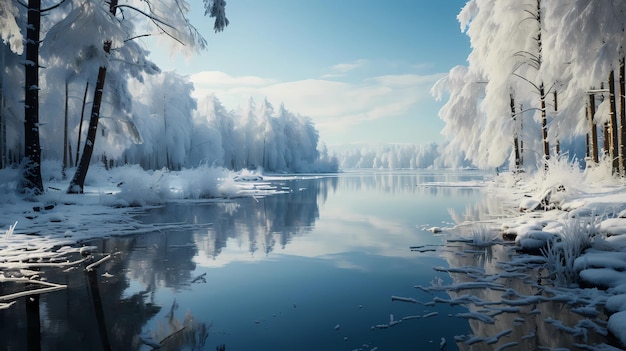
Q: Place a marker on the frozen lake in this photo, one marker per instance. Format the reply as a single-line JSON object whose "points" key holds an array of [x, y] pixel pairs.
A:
{"points": [[313, 268]]}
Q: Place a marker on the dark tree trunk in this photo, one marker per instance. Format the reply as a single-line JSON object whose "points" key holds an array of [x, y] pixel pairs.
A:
{"points": [[33, 323], [65, 164], [614, 149], [557, 147], [606, 134], [521, 135], [518, 162], [96, 299], [78, 181], [544, 124], [3, 133], [591, 106], [31, 180], [622, 117]]}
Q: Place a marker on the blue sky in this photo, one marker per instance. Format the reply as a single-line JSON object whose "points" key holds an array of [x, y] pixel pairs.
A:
{"points": [[361, 69]]}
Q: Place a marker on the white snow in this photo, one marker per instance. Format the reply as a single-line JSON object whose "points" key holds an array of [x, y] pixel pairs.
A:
{"points": [[587, 213], [617, 323]]}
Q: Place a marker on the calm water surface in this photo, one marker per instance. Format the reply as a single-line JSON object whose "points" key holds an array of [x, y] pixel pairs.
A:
{"points": [[311, 269]]}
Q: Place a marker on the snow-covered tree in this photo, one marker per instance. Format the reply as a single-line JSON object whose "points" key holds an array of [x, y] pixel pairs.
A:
{"points": [[528, 58], [170, 17]]}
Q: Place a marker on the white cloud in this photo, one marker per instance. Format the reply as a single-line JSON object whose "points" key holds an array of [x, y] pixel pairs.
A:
{"points": [[335, 106], [220, 79], [347, 67]]}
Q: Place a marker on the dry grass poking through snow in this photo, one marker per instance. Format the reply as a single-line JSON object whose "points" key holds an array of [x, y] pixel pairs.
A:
{"points": [[575, 237]]}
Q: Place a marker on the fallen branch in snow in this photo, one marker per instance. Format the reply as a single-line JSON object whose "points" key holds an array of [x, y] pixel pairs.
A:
{"points": [[22, 265], [4, 306], [49, 287], [97, 263], [403, 299]]}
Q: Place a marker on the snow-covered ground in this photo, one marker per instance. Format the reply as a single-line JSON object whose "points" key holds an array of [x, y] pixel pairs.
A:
{"points": [[572, 221], [43, 231]]}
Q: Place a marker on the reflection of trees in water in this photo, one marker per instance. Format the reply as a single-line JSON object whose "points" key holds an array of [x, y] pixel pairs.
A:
{"points": [[159, 259], [95, 311], [265, 222], [398, 182], [528, 325], [488, 209], [174, 334], [67, 316]]}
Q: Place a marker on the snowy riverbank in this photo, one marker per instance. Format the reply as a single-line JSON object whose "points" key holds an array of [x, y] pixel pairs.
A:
{"points": [[108, 207], [574, 222]]}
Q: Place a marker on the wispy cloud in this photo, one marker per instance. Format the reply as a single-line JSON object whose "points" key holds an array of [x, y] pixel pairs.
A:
{"points": [[335, 106], [347, 67]]}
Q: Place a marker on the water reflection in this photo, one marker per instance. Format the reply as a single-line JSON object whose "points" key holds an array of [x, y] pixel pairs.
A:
{"points": [[527, 326], [233, 272], [90, 313]]}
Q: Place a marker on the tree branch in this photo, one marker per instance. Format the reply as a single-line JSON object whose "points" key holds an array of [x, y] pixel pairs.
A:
{"points": [[153, 18], [528, 81], [53, 7]]}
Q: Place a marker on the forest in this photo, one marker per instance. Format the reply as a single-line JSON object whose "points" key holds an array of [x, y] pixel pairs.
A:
{"points": [[77, 86], [544, 79]]}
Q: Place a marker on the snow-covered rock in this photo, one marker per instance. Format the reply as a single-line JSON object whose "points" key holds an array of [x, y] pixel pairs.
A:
{"points": [[613, 226], [617, 326], [616, 303]]}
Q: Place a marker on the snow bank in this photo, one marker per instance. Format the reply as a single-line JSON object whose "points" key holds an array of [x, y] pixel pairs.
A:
{"points": [[579, 230], [111, 200]]}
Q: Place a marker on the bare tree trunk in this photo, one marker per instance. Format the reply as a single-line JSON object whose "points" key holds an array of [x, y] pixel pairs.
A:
{"points": [[606, 134], [69, 154], [33, 323], [521, 135], [78, 181], [594, 130], [518, 163], [65, 132], [544, 124], [96, 299], [31, 180], [557, 147], [3, 133], [614, 152], [622, 118]]}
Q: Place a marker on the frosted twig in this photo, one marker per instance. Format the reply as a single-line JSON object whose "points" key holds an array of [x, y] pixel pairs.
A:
{"points": [[97, 263], [16, 265], [9, 232], [32, 292], [4, 306]]}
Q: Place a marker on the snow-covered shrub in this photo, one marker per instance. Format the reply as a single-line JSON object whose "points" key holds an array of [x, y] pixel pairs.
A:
{"points": [[600, 173], [575, 237], [560, 172], [482, 235], [197, 183], [142, 188]]}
